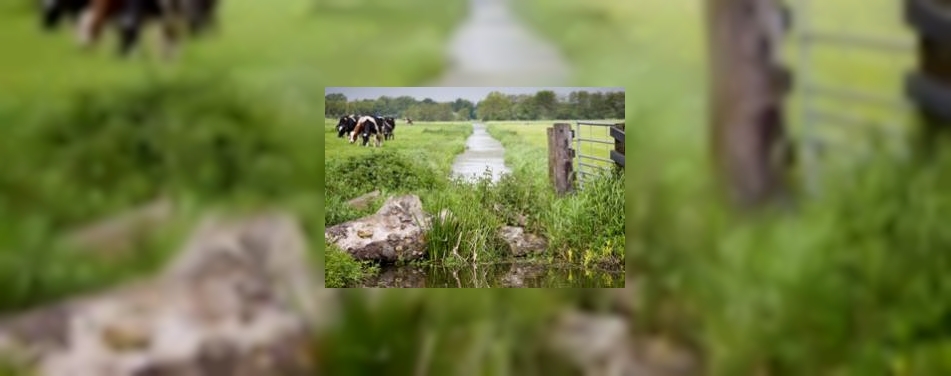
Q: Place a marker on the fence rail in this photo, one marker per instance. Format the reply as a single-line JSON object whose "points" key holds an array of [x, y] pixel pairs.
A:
{"points": [[857, 41]]}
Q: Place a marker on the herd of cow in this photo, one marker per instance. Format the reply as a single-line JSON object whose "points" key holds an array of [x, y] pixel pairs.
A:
{"points": [[380, 128], [174, 17]]}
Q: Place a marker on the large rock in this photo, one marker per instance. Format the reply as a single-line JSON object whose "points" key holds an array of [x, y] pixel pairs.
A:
{"points": [[396, 232], [238, 300], [521, 243]]}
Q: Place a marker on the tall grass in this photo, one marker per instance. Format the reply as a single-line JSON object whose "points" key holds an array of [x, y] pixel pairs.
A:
{"points": [[466, 224], [342, 270], [587, 226], [590, 222]]}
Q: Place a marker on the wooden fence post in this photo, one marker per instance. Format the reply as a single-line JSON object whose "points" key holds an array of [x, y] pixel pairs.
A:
{"points": [[617, 155], [560, 169], [747, 90], [930, 86]]}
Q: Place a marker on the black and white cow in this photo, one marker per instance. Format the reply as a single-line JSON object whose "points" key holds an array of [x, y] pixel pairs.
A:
{"points": [[389, 125], [346, 125], [367, 126]]}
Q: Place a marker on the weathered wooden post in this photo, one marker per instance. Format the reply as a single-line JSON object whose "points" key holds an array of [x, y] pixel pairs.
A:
{"points": [[930, 87], [747, 89], [617, 155], [560, 153]]}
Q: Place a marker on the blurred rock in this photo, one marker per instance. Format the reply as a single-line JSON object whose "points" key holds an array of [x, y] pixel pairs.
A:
{"points": [[601, 345], [364, 201], [395, 232], [238, 300], [122, 232], [522, 243]]}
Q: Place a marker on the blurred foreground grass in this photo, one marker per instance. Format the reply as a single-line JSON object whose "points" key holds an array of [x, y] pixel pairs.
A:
{"points": [[233, 126]]}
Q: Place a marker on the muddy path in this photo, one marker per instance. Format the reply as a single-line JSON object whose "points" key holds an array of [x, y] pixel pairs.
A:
{"points": [[482, 152], [493, 48]]}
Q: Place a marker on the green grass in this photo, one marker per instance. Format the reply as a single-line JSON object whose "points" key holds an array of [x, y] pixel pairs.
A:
{"points": [[342, 270], [584, 228], [851, 282], [232, 126], [588, 225]]}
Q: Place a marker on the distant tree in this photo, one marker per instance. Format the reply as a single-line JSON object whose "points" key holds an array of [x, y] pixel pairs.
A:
{"points": [[465, 109], [616, 104], [495, 106], [335, 105], [545, 104], [403, 103], [523, 107]]}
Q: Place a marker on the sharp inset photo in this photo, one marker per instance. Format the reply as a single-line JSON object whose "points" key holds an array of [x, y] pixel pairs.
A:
{"points": [[474, 187]]}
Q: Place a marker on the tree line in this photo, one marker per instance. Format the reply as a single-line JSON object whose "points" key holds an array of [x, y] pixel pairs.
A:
{"points": [[543, 105]]}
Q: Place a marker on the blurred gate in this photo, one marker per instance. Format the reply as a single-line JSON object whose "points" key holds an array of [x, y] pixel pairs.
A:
{"points": [[868, 100]]}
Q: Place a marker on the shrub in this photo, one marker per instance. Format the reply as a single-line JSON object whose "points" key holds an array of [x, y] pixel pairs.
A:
{"points": [[385, 170], [341, 270]]}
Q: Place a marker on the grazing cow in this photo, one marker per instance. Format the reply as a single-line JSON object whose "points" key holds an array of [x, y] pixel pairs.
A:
{"points": [[200, 15], [346, 125], [389, 125], [53, 11], [409, 121], [366, 127], [130, 16]]}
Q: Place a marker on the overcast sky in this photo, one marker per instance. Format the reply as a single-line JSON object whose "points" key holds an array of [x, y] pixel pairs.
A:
{"points": [[446, 94]]}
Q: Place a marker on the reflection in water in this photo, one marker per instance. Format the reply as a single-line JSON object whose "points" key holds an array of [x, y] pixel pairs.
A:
{"points": [[482, 151], [516, 274]]}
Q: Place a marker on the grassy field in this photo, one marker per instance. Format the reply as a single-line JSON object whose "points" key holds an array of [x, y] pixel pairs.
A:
{"points": [[421, 157], [848, 283]]}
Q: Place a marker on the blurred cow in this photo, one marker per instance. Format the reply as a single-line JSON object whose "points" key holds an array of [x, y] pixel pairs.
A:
{"points": [[54, 11], [130, 16], [201, 15]]}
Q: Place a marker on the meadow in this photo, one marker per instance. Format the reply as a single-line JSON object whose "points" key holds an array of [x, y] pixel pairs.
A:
{"points": [[583, 229], [852, 281]]}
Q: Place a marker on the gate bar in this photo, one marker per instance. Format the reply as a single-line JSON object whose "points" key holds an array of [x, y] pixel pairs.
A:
{"points": [[856, 41], [595, 158], [593, 166], [856, 96], [594, 140], [809, 150], [597, 124], [850, 120]]}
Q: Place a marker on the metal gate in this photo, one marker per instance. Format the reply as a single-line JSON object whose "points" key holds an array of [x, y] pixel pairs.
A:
{"points": [[864, 99], [596, 149]]}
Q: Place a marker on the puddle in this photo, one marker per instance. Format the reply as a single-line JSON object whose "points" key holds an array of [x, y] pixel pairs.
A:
{"points": [[493, 48], [482, 151], [515, 274]]}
